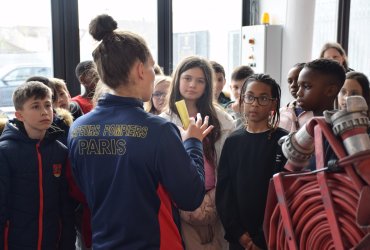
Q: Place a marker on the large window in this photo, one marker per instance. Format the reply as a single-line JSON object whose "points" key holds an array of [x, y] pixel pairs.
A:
{"points": [[139, 16], [207, 28], [359, 36], [325, 24], [25, 44]]}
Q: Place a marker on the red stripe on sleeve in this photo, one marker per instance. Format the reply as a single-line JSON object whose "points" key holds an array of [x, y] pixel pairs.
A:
{"points": [[170, 236]]}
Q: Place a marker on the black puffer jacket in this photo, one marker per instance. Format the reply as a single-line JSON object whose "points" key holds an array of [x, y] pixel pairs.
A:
{"points": [[35, 209]]}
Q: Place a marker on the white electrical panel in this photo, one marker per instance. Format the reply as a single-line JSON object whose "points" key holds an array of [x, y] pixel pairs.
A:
{"points": [[261, 48]]}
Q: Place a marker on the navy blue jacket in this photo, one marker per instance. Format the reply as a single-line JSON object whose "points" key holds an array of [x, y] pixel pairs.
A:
{"points": [[133, 167], [35, 209]]}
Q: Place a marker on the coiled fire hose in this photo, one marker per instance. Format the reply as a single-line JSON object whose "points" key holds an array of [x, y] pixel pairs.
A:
{"points": [[328, 208]]}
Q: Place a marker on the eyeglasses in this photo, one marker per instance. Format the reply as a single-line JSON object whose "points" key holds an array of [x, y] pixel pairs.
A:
{"points": [[262, 100], [159, 95]]}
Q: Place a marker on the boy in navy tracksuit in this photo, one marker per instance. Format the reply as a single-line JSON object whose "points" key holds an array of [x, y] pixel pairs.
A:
{"points": [[35, 209], [132, 166]]}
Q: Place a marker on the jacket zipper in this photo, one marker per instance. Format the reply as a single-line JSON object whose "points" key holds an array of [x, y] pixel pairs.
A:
{"points": [[41, 200], [6, 235]]}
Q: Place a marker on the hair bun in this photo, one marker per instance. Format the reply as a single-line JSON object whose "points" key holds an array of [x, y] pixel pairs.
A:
{"points": [[102, 25]]}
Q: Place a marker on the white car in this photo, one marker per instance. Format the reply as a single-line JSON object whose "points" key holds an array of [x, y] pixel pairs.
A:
{"points": [[12, 76], [8, 112]]}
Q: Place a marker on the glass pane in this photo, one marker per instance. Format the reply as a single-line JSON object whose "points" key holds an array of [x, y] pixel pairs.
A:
{"points": [[359, 36], [25, 44], [130, 15], [325, 24], [211, 29]]}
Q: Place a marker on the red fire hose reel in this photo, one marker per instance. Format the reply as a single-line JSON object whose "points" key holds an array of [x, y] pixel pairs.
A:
{"points": [[328, 208]]}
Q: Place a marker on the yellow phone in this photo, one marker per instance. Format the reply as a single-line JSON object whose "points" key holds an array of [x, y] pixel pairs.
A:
{"points": [[183, 112]]}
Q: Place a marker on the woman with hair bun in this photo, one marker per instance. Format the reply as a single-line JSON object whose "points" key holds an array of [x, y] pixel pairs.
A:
{"points": [[133, 166]]}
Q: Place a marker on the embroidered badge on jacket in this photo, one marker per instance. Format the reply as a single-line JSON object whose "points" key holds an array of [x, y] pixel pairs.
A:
{"points": [[57, 170]]}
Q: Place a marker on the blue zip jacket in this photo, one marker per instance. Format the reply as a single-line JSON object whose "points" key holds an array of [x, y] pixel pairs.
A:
{"points": [[133, 167], [36, 211]]}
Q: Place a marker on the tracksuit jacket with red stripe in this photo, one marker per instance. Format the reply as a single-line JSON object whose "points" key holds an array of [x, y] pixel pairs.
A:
{"points": [[134, 168], [36, 211]]}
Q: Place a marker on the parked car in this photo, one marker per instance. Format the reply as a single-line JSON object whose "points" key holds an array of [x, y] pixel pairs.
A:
{"points": [[8, 112], [12, 76]]}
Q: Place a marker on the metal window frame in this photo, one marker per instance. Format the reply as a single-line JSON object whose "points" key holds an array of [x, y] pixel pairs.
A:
{"points": [[245, 12], [66, 42], [344, 9], [165, 37]]}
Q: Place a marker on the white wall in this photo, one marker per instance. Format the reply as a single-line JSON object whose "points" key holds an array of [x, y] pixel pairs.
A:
{"points": [[297, 18]]}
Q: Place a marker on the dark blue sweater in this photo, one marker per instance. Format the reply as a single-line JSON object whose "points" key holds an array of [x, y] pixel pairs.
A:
{"points": [[133, 167]]}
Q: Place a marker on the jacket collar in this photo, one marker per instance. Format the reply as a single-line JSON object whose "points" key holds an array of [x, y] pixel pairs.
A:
{"points": [[109, 100], [15, 130]]}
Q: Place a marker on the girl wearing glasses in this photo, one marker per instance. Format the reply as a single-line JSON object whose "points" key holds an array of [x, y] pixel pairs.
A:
{"points": [[193, 82], [249, 158], [159, 97]]}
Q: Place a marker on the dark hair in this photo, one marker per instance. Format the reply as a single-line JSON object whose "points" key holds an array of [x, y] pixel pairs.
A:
{"points": [[299, 66], [241, 72], [83, 67], [118, 51], [217, 67], [44, 80], [58, 84], [364, 83], [275, 93], [158, 70], [337, 47], [27, 90], [329, 68], [204, 104]]}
